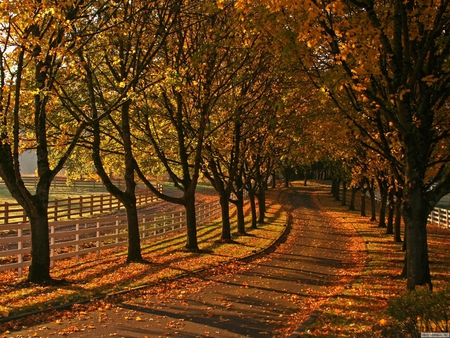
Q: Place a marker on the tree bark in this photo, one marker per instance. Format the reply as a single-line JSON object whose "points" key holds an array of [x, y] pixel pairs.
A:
{"points": [[383, 204], [39, 271], [344, 193], [134, 241], [363, 202], [415, 213], [251, 197], [226, 226], [391, 212], [373, 202], [191, 223], [398, 216], [240, 212], [261, 196], [353, 198]]}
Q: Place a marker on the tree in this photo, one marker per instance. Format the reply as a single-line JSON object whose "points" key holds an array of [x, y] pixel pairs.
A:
{"points": [[37, 45], [137, 32], [174, 118], [225, 161]]}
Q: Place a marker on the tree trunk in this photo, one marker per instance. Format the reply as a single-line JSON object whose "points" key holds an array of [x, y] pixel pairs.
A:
{"points": [[363, 202], [240, 213], [373, 203], [353, 198], [261, 196], [398, 216], [391, 212], [226, 226], [337, 189], [286, 177], [39, 271], [415, 213], [191, 223], [134, 240], [383, 205], [344, 193], [251, 196]]}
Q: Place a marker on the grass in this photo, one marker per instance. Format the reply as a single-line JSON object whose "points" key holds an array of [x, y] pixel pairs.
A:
{"points": [[360, 310], [95, 276]]}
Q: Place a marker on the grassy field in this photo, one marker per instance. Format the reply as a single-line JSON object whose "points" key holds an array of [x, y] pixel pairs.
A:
{"points": [[62, 192]]}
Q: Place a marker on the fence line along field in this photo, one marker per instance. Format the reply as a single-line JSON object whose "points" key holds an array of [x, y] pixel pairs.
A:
{"points": [[75, 238], [74, 206]]}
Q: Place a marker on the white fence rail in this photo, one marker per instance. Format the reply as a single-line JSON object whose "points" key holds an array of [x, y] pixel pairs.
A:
{"points": [[74, 238], [440, 217], [78, 206]]}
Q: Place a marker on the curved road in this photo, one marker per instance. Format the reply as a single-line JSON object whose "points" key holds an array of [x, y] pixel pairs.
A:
{"points": [[270, 297]]}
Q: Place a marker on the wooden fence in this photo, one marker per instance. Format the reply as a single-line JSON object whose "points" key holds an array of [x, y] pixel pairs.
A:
{"points": [[61, 182], [75, 238], [78, 206], [440, 217]]}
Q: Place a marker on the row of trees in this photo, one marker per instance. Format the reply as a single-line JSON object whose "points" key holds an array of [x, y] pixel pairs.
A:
{"points": [[229, 90], [134, 88], [385, 68]]}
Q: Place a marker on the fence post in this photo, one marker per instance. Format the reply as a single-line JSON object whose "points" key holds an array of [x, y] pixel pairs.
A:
{"points": [[77, 239], [92, 204], [69, 210], [55, 211], [52, 242], [81, 206], [446, 218], [117, 234], [6, 213], [98, 239], [20, 256], [144, 228]]}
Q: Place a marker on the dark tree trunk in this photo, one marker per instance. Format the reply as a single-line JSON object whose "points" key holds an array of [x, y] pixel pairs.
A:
{"points": [[261, 196], [286, 177], [373, 202], [415, 213], [398, 217], [251, 196], [191, 223], [383, 205], [353, 198], [391, 212], [226, 226], [39, 271], [337, 189], [134, 241], [344, 193], [240, 213], [363, 202]]}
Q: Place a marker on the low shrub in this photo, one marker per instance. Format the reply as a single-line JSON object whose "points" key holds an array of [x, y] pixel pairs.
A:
{"points": [[422, 311]]}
